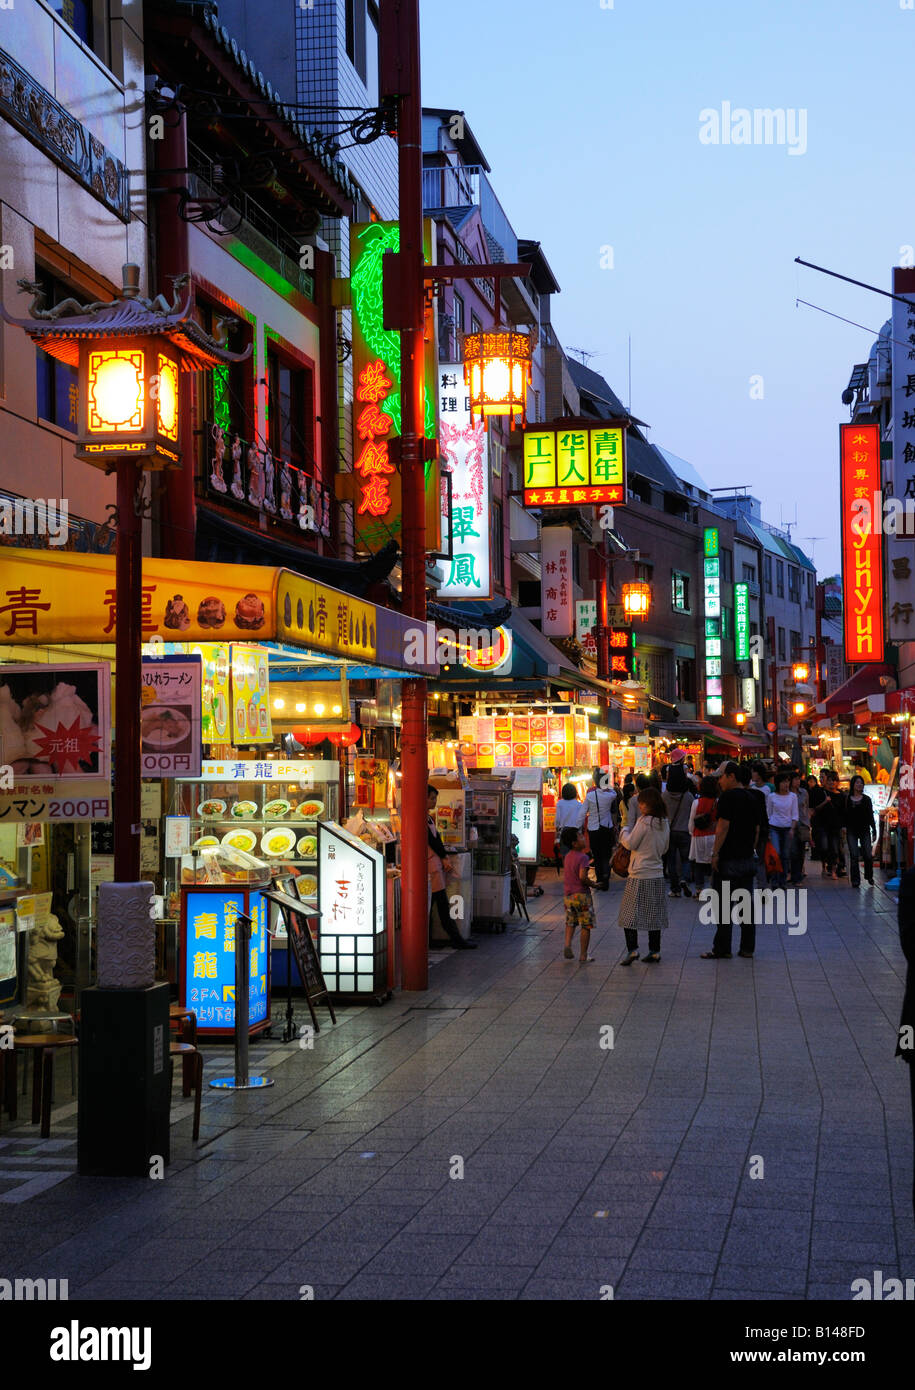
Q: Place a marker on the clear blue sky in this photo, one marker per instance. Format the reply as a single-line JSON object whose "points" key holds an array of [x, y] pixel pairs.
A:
{"points": [[590, 120]]}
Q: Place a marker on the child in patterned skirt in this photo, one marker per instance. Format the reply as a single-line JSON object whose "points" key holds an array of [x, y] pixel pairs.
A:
{"points": [[577, 890]]}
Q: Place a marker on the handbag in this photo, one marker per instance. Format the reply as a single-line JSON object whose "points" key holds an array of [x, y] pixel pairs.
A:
{"points": [[772, 859], [620, 861], [703, 822]]}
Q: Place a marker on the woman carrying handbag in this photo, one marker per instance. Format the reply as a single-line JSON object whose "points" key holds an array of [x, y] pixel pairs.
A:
{"points": [[644, 905]]}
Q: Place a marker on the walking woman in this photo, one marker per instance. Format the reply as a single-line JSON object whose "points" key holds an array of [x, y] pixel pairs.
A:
{"points": [[678, 801], [860, 831], [782, 810], [702, 824], [570, 813], [644, 905]]}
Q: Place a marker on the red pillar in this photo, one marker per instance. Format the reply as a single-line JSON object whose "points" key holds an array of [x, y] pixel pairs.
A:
{"points": [[414, 765], [179, 508], [127, 689]]}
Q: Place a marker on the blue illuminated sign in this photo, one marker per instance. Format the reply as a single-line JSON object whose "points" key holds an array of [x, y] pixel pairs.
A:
{"points": [[209, 957]]}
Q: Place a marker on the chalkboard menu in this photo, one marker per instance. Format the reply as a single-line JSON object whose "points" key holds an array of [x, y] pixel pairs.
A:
{"points": [[300, 940]]}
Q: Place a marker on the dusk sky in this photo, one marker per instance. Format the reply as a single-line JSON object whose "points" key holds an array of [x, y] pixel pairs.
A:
{"points": [[590, 118]]}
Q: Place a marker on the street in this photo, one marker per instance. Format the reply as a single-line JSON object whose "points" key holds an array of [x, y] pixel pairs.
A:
{"points": [[746, 1136]]}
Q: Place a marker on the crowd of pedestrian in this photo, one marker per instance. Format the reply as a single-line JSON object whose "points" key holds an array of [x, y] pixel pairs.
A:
{"points": [[738, 824]]}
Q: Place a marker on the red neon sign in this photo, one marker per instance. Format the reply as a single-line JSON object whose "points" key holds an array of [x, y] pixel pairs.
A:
{"points": [[862, 543], [372, 426]]}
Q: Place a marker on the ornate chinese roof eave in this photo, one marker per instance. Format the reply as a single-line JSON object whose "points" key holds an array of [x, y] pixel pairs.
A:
{"points": [[121, 318], [205, 39]]}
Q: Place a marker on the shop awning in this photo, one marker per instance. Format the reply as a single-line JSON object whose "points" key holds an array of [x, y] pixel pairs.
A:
{"points": [[865, 681], [61, 597], [535, 661], [711, 733]]}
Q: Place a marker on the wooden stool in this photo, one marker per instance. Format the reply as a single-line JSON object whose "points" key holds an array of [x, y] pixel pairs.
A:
{"points": [[190, 1057], [42, 1046], [185, 1020]]}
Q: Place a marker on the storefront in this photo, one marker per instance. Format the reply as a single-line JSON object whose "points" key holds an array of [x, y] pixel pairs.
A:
{"points": [[246, 724]]}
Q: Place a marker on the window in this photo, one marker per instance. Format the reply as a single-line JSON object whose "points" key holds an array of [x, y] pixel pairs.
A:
{"points": [[780, 578], [57, 390], [475, 324], [226, 390], [686, 680], [371, 53], [794, 584], [809, 589], [783, 712], [781, 644], [796, 650], [290, 422], [498, 545], [78, 14], [749, 574], [679, 597], [459, 316], [767, 570], [727, 567]]}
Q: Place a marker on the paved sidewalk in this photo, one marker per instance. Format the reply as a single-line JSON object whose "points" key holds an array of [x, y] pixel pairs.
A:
{"points": [[583, 1165]]}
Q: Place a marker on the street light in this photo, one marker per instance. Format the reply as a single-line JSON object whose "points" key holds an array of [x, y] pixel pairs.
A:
{"points": [[497, 369], [799, 707], [740, 717], [800, 672], [637, 599]]}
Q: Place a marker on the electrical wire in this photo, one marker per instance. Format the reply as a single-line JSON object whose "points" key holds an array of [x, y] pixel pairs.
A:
{"points": [[875, 332]]}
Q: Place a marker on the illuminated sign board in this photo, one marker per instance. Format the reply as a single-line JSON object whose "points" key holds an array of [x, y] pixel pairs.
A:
{"points": [[574, 465], [526, 825], [712, 596], [351, 906], [742, 622], [209, 957], [556, 602], [464, 445], [622, 653], [862, 544]]}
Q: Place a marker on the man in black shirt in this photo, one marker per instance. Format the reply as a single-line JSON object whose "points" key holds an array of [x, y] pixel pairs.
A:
{"points": [[826, 824], [733, 864]]}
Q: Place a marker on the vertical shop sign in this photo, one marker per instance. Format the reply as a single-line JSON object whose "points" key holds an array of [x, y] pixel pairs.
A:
{"points": [[862, 549], [742, 622], [556, 581], [714, 704], [900, 475], [251, 721], [463, 445], [209, 969]]}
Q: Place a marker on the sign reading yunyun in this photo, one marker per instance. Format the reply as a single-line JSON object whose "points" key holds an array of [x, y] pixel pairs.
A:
{"points": [[900, 476], [556, 604], [463, 445], [862, 544]]}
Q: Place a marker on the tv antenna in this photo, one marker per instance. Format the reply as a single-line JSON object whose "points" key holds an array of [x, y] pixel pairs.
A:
{"points": [[584, 354], [813, 540]]}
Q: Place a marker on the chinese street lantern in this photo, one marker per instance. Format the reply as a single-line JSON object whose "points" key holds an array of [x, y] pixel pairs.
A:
{"points": [[799, 707], [740, 717], [128, 402], [799, 672], [497, 370], [637, 598]]}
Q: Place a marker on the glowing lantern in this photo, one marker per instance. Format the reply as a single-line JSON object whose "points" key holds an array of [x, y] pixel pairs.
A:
{"points": [[800, 671], [497, 369], [128, 402], [799, 707], [637, 599], [740, 717]]}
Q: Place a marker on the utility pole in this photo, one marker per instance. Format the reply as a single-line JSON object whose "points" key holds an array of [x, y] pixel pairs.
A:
{"points": [[405, 310]]}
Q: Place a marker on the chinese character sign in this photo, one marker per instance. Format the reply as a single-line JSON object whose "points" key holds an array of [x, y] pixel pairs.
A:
{"points": [[714, 689], [209, 957], [556, 602], [251, 722], [351, 908], [574, 465], [526, 825], [55, 723], [468, 574], [900, 474], [742, 622], [862, 554]]}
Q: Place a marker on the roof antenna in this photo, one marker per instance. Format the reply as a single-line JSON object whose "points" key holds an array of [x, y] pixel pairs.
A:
{"points": [[584, 354]]}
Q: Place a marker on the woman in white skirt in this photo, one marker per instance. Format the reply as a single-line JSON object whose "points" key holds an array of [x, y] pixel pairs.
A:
{"points": [[702, 841], [644, 905]]}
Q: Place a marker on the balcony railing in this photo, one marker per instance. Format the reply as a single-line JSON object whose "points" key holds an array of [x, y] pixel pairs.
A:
{"points": [[466, 186], [248, 478]]}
